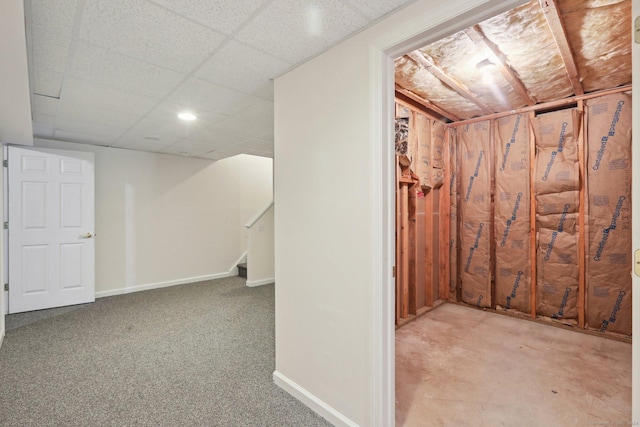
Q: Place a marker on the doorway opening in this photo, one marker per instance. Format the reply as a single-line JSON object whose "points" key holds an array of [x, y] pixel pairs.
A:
{"points": [[483, 183]]}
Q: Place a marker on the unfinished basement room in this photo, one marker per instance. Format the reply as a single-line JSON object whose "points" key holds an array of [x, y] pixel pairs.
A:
{"points": [[513, 220]]}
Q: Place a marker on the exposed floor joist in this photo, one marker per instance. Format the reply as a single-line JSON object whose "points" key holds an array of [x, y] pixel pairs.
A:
{"points": [[427, 104], [547, 105], [552, 15], [428, 64], [495, 56]]}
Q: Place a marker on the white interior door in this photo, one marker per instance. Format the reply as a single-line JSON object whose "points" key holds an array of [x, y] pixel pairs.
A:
{"points": [[51, 227]]}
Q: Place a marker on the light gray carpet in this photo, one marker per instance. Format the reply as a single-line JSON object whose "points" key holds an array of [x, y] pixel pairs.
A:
{"points": [[191, 355]]}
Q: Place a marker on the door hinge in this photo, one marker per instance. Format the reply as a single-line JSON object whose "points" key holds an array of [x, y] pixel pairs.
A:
{"points": [[6, 225], [5, 163], [394, 271], [6, 286]]}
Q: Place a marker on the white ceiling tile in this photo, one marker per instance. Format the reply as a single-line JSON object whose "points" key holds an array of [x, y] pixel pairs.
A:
{"points": [[266, 91], [88, 128], [83, 93], [222, 153], [45, 105], [376, 9], [110, 68], [82, 138], [268, 154], [135, 139], [217, 136], [49, 50], [167, 111], [311, 27], [222, 15], [57, 16], [44, 120], [148, 32], [161, 128], [47, 81], [241, 67], [257, 145], [188, 148], [94, 114], [255, 121], [203, 98], [42, 130], [142, 146]]}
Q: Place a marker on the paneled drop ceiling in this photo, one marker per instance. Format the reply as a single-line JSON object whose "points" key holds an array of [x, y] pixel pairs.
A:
{"points": [[116, 72], [543, 51]]}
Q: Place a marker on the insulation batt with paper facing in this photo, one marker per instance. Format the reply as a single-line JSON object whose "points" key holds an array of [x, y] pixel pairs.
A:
{"points": [[608, 216], [512, 213], [522, 35], [475, 213], [418, 80], [557, 187], [462, 65], [598, 32]]}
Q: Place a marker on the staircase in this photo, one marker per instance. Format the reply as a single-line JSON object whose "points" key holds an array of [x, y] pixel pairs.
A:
{"points": [[242, 270]]}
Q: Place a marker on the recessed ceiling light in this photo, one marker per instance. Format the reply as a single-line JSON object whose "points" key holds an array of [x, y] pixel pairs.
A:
{"points": [[187, 116]]}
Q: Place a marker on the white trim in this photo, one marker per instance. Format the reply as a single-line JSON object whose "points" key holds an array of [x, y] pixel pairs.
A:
{"points": [[1, 337], [257, 216], [254, 283], [309, 399], [383, 247], [635, 222], [233, 271], [168, 283]]}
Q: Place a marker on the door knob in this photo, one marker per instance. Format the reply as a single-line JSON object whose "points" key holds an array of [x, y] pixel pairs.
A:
{"points": [[86, 236]]}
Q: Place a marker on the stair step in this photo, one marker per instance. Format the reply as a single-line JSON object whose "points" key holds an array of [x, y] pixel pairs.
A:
{"points": [[242, 270]]}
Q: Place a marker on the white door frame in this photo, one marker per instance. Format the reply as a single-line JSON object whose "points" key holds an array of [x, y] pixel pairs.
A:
{"points": [[635, 220], [412, 35]]}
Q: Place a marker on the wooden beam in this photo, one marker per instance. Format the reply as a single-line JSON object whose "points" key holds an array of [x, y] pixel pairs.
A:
{"points": [[429, 249], [398, 266], [492, 53], [413, 248], [552, 15], [445, 220], [458, 168], [533, 242], [427, 63], [402, 92], [545, 105], [492, 212], [404, 250], [582, 236]]}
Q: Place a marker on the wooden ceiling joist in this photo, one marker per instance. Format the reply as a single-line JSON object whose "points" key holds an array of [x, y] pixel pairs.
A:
{"points": [[495, 56], [420, 59], [427, 104], [552, 15]]}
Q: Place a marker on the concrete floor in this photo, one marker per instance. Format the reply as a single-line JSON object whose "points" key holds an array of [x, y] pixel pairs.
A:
{"points": [[458, 366]]}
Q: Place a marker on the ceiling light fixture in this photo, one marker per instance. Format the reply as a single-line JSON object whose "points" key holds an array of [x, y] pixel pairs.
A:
{"points": [[187, 116]]}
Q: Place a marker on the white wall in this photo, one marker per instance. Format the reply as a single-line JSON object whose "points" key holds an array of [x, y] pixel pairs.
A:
{"points": [[15, 103], [260, 250], [332, 152], [164, 219], [2, 292]]}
